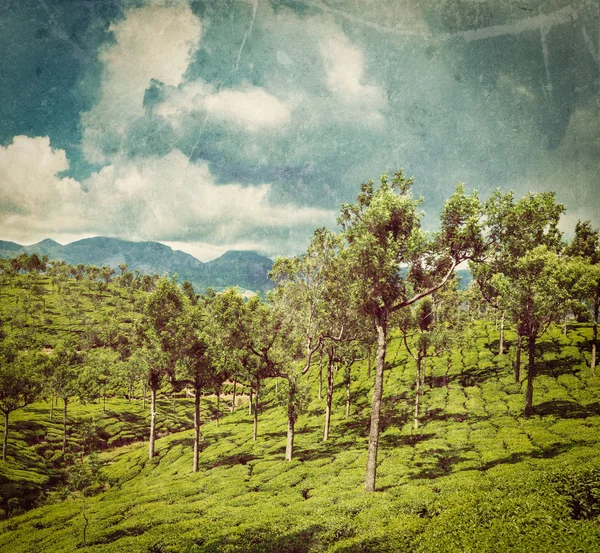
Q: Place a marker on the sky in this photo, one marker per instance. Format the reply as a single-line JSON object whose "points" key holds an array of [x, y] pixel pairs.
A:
{"points": [[212, 125]]}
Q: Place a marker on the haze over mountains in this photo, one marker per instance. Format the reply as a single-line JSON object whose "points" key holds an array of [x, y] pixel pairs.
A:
{"points": [[245, 269]]}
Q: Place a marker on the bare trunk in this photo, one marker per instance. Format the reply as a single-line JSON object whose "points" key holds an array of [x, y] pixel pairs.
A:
{"points": [[144, 397], [418, 392], [152, 421], [5, 439], [250, 402], [51, 406], [329, 397], [104, 397], [196, 428], [321, 376], [289, 448], [347, 392], [423, 364], [564, 329], [369, 364], [530, 376], [501, 346], [255, 430], [233, 398], [64, 446], [518, 358], [381, 324], [595, 334]]}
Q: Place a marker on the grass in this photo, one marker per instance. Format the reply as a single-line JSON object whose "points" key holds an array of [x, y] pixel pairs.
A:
{"points": [[475, 476]]}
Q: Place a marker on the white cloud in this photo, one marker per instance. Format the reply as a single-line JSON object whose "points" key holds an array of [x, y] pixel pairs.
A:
{"points": [[152, 42], [158, 198], [168, 198], [250, 107], [34, 199]]}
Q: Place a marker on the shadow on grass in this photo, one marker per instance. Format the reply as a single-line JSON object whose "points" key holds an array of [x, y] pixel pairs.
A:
{"points": [[476, 375], [231, 460], [445, 460], [261, 539], [557, 367], [540, 453], [567, 409], [439, 414]]}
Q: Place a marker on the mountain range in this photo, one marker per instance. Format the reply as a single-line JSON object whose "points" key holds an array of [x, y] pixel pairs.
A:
{"points": [[245, 269]]}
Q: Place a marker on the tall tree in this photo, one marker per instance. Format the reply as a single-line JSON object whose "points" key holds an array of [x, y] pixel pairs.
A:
{"points": [[160, 335], [382, 234], [20, 383], [524, 267], [586, 245], [65, 361]]}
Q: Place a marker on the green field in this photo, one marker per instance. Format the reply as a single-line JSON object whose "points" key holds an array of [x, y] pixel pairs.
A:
{"points": [[475, 476]]}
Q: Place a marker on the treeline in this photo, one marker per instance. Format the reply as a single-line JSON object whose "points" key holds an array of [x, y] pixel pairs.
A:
{"points": [[332, 306]]}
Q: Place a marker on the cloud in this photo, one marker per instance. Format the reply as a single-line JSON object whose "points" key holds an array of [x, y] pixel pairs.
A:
{"points": [[171, 198], [34, 199], [345, 74], [162, 198], [154, 41], [251, 107], [247, 108]]}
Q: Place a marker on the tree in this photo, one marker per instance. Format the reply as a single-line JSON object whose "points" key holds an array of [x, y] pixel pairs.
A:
{"points": [[99, 369], [160, 334], [65, 361], [196, 363], [586, 246], [536, 292], [20, 383], [382, 234], [249, 332], [524, 238]]}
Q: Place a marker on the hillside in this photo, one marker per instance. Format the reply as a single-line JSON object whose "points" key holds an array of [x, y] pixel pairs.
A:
{"points": [[248, 270], [476, 476]]}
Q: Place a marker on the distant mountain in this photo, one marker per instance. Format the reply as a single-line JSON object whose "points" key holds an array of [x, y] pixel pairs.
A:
{"points": [[248, 270]]}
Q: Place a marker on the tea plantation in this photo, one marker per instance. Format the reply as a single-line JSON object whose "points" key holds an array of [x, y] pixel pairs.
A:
{"points": [[476, 476]]}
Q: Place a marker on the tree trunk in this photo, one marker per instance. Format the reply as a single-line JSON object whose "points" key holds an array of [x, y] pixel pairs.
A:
{"points": [[423, 366], [347, 392], [152, 421], [369, 364], [144, 397], [51, 406], [501, 346], [255, 430], [595, 334], [381, 324], [64, 446], [321, 376], [104, 397], [250, 402], [218, 408], [5, 439], [289, 448], [564, 328], [518, 358], [418, 392], [530, 376], [233, 398], [196, 428], [329, 397]]}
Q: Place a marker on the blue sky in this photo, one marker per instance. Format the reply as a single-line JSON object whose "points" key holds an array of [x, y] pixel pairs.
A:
{"points": [[232, 124]]}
